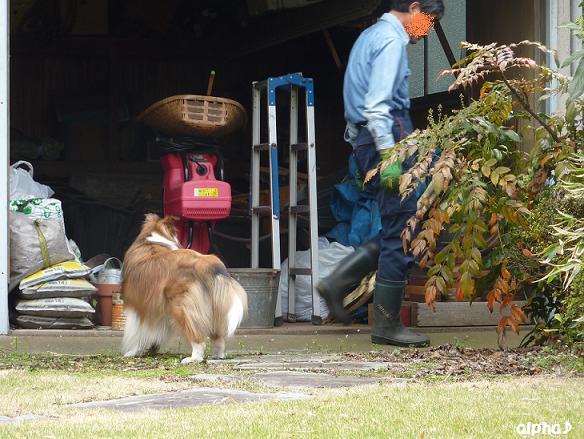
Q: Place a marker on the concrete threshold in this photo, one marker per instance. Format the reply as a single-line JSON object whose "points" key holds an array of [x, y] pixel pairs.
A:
{"points": [[286, 329], [288, 338]]}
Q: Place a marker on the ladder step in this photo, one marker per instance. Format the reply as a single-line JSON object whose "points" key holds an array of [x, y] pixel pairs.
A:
{"points": [[303, 208], [262, 147], [299, 146], [300, 272], [261, 210]]}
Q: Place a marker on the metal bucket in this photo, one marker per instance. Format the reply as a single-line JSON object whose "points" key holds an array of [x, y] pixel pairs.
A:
{"points": [[261, 286], [109, 274], [109, 282]]}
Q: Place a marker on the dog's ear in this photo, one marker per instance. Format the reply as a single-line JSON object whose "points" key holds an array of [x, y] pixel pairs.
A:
{"points": [[151, 217], [170, 220]]}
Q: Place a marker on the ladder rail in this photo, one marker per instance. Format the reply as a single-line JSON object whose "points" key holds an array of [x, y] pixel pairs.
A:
{"points": [[295, 82], [313, 203], [292, 216], [255, 176], [274, 187]]}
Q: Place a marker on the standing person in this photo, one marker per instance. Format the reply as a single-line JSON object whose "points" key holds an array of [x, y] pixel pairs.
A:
{"points": [[376, 96]]}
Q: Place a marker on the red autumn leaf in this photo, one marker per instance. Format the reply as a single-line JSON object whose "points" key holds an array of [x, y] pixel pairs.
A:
{"points": [[502, 285], [502, 324], [505, 273], [527, 253], [430, 295], [493, 219], [507, 301], [513, 323], [459, 294], [498, 294], [518, 313], [491, 300]]}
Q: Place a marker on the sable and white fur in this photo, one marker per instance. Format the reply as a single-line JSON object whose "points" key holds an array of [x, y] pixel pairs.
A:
{"points": [[168, 288]]}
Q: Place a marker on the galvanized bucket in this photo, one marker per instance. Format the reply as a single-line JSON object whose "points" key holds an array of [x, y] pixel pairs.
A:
{"points": [[261, 286], [109, 281], [110, 274]]}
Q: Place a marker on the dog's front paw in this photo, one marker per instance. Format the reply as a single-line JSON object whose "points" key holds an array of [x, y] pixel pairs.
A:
{"points": [[189, 360]]}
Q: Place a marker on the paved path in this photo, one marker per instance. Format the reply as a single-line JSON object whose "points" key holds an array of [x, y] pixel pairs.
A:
{"points": [[291, 374]]}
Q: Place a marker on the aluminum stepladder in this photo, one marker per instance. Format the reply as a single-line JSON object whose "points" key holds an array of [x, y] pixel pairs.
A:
{"points": [[294, 83]]}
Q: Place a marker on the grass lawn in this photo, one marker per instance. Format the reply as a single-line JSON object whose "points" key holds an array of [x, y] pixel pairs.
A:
{"points": [[476, 405]]}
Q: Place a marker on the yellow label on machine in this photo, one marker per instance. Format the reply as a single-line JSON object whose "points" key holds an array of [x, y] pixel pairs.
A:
{"points": [[209, 192]]}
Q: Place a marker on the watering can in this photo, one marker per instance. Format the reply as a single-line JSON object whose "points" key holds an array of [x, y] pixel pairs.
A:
{"points": [[109, 281]]}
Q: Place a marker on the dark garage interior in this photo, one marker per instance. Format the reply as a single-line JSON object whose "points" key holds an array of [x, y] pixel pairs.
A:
{"points": [[83, 70]]}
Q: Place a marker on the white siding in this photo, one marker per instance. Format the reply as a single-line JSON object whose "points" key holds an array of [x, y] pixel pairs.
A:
{"points": [[560, 12], [4, 145], [454, 25]]}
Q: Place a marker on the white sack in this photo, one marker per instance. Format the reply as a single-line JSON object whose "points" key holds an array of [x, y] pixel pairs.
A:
{"points": [[330, 254]]}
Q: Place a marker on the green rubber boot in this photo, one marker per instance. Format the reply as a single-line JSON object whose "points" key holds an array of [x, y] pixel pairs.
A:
{"points": [[346, 278], [387, 325]]}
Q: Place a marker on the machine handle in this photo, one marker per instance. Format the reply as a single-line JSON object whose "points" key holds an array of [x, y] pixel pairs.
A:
{"points": [[210, 84]]}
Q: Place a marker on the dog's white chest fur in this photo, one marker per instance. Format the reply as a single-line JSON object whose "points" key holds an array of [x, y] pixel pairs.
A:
{"points": [[157, 238]]}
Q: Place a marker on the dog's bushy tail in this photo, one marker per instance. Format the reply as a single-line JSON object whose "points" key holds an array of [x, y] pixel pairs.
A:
{"points": [[230, 300]]}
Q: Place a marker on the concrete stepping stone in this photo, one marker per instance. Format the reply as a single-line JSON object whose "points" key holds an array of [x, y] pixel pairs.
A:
{"points": [[277, 358], [313, 365], [21, 418], [309, 379], [188, 398], [214, 378]]}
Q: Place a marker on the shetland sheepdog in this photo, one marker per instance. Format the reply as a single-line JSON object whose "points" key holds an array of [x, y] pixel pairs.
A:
{"points": [[169, 289]]}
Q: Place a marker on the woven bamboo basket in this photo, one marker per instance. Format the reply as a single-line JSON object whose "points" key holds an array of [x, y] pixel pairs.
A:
{"points": [[193, 115]]}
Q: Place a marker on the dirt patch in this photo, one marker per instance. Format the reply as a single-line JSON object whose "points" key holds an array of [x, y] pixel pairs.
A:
{"points": [[449, 360]]}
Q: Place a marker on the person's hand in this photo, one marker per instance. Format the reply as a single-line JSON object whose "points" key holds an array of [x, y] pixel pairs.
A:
{"points": [[389, 178]]}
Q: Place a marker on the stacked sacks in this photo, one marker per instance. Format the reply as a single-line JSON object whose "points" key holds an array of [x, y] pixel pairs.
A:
{"points": [[56, 298]]}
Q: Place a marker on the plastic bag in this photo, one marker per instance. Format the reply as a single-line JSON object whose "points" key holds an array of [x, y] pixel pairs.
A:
{"points": [[37, 322], [64, 270], [22, 184], [55, 307], [59, 288], [37, 237], [329, 256]]}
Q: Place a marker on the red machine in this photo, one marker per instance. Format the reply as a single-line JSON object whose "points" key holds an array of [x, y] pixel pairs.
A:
{"points": [[191, 191], [194, 191]]}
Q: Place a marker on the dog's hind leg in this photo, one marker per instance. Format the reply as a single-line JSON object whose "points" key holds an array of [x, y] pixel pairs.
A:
{"points": [[197, 355], [194, 332], [218, 348], [140, 337]]}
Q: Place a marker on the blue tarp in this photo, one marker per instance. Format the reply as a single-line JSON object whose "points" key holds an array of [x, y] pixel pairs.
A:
{"points": [[355, 210]]}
